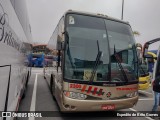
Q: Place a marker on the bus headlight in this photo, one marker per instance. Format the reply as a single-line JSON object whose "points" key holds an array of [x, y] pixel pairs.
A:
{"points": [[75, 95], [133, 94]]}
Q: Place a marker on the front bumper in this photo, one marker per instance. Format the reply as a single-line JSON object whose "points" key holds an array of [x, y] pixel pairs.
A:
{"points": [[70, 104]]}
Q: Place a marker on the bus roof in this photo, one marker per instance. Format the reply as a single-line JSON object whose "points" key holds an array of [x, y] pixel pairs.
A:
{"points": [[95, 15]]}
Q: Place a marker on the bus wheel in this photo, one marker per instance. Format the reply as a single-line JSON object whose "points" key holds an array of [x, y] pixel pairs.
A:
{"points": [[52, 86]]}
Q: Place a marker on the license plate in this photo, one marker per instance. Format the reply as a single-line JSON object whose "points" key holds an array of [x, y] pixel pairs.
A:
{"points": [[108, 107]]}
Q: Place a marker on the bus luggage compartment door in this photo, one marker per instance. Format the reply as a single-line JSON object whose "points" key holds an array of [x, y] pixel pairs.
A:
{"points": [[4, 79]]}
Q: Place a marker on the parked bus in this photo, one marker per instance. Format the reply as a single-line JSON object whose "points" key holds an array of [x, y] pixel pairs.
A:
{"points": [[96, 68], [15, 39], [156, 70]]}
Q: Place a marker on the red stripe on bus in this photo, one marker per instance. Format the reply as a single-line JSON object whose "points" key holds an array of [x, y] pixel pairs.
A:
{"points": [[95, 90], [100, 92], [89, 89], [84, 88]]}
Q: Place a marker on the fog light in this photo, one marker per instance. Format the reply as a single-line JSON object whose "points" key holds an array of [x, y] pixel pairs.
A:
{"points": [[73, 107], [67, 106]]}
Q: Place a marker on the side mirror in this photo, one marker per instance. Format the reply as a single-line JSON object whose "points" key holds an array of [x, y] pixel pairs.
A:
{"points": [[139, 54], [145, 51], [145, 55], [59, 43]]}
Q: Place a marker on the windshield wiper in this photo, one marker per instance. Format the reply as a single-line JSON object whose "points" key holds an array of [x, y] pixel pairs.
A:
{"points": [[120, 65], [96, 63]]}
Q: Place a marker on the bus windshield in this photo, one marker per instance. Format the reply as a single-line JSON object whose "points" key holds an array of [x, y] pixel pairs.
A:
{"points": [[83, 34]]}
